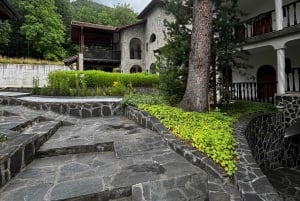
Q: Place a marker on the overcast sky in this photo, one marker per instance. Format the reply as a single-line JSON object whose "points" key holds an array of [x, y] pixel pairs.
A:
{"points": [[137, 5]]}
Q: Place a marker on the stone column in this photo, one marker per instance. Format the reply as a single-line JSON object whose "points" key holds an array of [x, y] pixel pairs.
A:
{"points": [[281, 82], [279, 14], [80, 61]]}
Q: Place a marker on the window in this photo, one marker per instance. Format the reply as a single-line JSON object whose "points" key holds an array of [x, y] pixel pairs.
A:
{"points": [[135, 49], [152, 38]]}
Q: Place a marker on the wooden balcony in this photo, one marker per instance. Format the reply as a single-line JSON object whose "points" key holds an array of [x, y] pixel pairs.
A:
{"points": [[102, 55], [265, 22]]}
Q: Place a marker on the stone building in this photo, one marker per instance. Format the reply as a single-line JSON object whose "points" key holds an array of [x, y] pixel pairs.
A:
{"points": [[131, 48]]}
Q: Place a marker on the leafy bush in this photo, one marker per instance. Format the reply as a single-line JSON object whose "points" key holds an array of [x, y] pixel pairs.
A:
{"points": [[211, 133], [241, 108], [136, 99]]}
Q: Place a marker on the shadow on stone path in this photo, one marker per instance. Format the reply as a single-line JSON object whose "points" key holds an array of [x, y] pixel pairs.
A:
{"points": [[108, 158]]}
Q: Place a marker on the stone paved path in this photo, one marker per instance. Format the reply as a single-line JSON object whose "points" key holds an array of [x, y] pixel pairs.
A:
{"points": [[286, 181], [108, 158]]}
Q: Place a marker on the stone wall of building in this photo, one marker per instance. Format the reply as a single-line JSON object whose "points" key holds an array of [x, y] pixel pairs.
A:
{"points": [[136, 31], [155, 25], [21, 75]]}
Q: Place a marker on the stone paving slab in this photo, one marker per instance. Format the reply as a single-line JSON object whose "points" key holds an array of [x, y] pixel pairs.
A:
{"points": [[286, 181], [40, 99], [13, 94], [138, 156]]}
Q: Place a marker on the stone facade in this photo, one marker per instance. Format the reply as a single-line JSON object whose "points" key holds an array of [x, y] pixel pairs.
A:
{"points": [[155, 26], [134, 32], [151, 34]]}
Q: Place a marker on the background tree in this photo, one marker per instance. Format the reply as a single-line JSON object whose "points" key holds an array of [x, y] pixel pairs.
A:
{"points": [[196, 94], [173, 62], [5, 30]]}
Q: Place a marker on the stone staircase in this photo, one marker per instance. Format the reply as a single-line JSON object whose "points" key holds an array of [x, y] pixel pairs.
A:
{"points": [[48, 156]]}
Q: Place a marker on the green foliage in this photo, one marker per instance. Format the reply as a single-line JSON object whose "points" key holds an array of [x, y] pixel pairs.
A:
{"points": [[86, 83], [35, 86], [211, 133], [137, 99], [89, 11], [119, 89], [43, 31], [174, 57], [43, 28], [3, 137], [243, 108]]}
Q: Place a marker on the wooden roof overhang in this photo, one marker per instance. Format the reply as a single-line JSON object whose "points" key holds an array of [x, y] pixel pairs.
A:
{"points": [[7, 11], [83, 33]]}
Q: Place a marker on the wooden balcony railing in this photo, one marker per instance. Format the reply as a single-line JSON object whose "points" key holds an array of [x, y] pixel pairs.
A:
{"points": [[102, 54], [265, 22]]}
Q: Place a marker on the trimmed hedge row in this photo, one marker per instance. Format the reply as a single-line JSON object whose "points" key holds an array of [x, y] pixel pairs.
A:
{"points": [[94, 79]]}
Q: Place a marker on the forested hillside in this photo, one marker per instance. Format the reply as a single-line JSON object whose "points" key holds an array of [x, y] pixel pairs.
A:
{"points": [[44, 30]]}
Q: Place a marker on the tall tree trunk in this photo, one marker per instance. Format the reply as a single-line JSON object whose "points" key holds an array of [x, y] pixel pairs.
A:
{"points": [[196, 94]]}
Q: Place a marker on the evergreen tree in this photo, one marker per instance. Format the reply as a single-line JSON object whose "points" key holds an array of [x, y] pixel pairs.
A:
{"points": [[173, 62], [176, 53]]}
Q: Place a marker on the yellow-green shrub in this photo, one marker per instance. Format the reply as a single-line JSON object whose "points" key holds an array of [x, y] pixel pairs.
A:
{"points": [[211, 133]]}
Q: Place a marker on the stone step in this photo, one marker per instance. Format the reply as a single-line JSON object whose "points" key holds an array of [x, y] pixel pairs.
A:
{"points": [[187, 187], [16, 123], [44, 129], [47, 151]]}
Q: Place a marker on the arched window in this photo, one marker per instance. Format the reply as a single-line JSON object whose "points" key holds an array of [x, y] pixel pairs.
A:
{"points": [[135, 49], [135, 69], [152, 38]]}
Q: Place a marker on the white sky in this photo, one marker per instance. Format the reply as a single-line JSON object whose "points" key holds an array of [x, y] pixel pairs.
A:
{"points": [[137, 5]]}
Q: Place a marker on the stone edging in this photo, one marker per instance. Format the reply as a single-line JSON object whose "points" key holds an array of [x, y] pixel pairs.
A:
{"points": [[250, 180], [194, 156], [80, 109]]}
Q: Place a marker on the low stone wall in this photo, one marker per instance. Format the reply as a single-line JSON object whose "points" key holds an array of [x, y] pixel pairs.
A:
{"points": [[19, 151], [265, 135], [21, 75], [251, 181], [291, 105], [77, 109]]}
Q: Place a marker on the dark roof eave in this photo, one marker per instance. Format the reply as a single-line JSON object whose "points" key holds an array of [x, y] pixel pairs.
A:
{"points": [[94, 26], [131, 25], [149, 7]]}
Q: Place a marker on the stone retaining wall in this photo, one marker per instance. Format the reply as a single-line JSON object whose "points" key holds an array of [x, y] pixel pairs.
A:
{"points": [[21, 75], [82, 110], [291, 105], [19, 151], [265, 135]]}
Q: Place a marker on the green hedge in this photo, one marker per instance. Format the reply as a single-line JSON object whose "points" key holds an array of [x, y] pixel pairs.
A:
{"points": [[100, 79]]}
